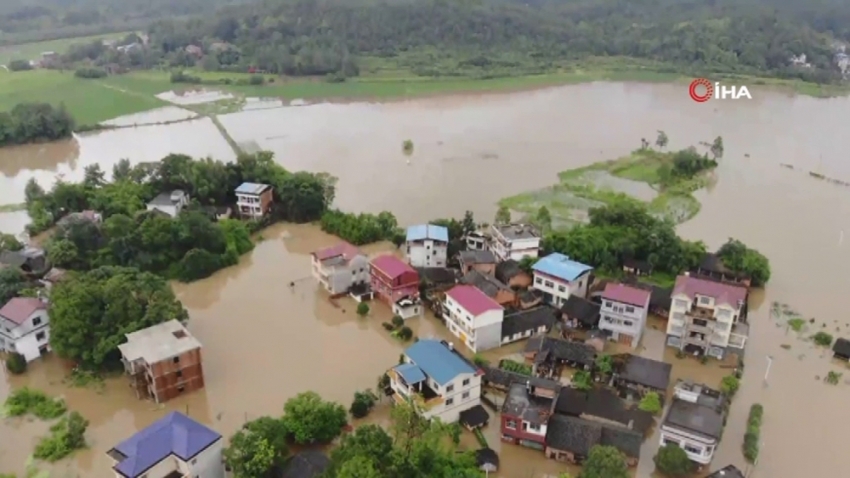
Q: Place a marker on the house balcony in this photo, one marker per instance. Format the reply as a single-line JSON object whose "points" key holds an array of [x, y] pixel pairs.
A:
{"points": [[701, 327], [737, 341], [704, 313], [420, 394], [696, 339]]}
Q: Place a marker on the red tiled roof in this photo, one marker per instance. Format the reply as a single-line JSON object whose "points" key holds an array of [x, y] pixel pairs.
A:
{"points": [[344, 249], [626, 294], [721, 292], [391, 266], [20, 308], [472, 299]]}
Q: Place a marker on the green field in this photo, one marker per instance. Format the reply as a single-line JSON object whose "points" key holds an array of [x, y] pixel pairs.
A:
{"points": [[31, 51]]}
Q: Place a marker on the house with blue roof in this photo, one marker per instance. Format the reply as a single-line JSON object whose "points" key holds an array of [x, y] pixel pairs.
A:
{"points": [[558, 277], [174, 446], [427, 245], [253, 200], [440, 383]]}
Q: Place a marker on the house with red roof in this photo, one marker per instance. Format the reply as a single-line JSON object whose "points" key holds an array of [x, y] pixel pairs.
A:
{"points": [[340, 267], [707, 317], [25, 327], [623, 312], [473, 317], [392, 279]]}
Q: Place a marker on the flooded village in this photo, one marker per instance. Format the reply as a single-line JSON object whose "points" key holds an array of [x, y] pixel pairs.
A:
{"points": [[528, 339]]}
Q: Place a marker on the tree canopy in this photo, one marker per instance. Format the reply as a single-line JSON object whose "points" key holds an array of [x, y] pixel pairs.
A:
{"points": [[90, 314], [604, 462], [673, 462], [32, 122], [740, 258], [257, 448], [309, 419]]}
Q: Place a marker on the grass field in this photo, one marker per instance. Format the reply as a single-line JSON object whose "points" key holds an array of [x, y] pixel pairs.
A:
{"points": [[30, 51], [604, 182]]}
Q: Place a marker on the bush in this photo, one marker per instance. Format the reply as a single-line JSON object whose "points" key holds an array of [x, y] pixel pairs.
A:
{"points": [[823, 339], [180, 77], [582, 380], [388, 326], [751, 437], [16, 363], [651, 402], [405, 333], [515, 367], [256, 80], [20, 65], [729, 385], [673, 462], [398, 321], [90, 73], [477, 359], [25, 400], [65, 437], [362, 309], [363, 403], [309, 419]]}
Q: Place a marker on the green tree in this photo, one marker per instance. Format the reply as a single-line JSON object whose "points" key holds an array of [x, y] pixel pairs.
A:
{"points": [[309, 419], [363, 403], [527, 264], [121, 170], [12, 281], [604, 462], [93, 176], [362, 309], [543, 218], [662, 140], [651, 402], [16, 364], [468, 223], [740, 258], [63, 253], [503, 215], [249, 455], [8, 242], [582, 380], [729, 385], [367, 444], [605, 364], [673, 462], [358, 467], [90, 315]]}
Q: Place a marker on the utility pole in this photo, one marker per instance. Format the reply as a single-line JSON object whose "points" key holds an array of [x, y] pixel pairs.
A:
{"points": [[767, 371]]}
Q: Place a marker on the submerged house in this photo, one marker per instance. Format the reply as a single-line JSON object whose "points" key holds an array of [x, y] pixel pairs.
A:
{"points": [[339, 268], [569, 439], [580, 314], [525, 414], [492, 287], [549, 355], [712, 267], [170, 203], [558, 277], [25, 327], [473, 317], [427, 245], [694, 421], [522, 324], [635, 375]]}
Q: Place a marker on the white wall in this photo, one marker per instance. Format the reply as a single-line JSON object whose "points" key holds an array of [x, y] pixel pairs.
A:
{"points": [[340, 278], [479, 329], [462, 396], [616, 317], [251, 201], [26, 339], [698, 449], [427, 253], [561, 289], [516, 249], [724, 318], [206, 464], [170, 210]]}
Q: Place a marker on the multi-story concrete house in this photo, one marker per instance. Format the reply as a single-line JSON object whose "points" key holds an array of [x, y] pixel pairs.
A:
{"points": [[479, 260], [694, 421], [174, 446], [706, 317], [253, 200], [473, 317], [623, 313], [437, 380], [427, 245], [163, 361], [25, 327], [525, 413], [558, 277], [340, 267], [514, 241], [392, 279], [171, 203]]}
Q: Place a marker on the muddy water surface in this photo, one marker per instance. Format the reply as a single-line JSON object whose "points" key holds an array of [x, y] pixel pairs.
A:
{"points": [[265, 341]]}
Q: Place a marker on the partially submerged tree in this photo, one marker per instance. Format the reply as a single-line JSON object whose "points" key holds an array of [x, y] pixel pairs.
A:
{"points": [[309, 419], [503, 215], [673, 462], [651, 402], [662, 140], [604, 462]]}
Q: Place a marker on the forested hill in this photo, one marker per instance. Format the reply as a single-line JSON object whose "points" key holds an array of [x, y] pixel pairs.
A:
{"points": [[490, 38]]}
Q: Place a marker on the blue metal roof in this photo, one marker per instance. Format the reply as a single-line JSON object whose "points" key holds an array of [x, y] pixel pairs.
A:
{"points": [[251, 188], [175, 433], [411, 373], [437, 361], [561, 266], [427, 231]]}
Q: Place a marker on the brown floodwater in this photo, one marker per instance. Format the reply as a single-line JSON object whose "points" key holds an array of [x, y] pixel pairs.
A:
{"points": [[265, 341]]}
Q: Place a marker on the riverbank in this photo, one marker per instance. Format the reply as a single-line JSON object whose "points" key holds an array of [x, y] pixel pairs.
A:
{"points": [[92, 101]]}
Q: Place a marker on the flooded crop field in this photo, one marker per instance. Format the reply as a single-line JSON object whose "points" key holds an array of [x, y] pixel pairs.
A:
{"points": [[264, 340]]}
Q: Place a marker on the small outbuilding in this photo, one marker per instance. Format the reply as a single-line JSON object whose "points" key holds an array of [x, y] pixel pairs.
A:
{"points": [[841, 349]]}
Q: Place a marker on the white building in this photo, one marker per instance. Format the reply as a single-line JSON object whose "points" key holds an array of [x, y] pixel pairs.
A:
{"points": [[340, 267], [559, 277], [473, 317], [427, 245], [253, 200], [514, 241], [694, 421], [623, 313], [437, 379], [706, 317], [25, 327], [408, 307], [173, 446], [170, 203]]}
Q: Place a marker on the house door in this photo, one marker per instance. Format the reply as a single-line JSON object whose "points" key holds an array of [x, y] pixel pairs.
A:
{"points": [[44, 349], [625, 339]]}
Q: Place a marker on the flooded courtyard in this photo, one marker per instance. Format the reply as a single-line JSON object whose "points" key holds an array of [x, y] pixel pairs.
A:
{"points": [[264, 340]]}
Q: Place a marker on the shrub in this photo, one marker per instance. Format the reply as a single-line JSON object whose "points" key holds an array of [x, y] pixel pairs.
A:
{"points": [[90, 73], [516, 367], [362, 309], [751, 436], [477, 359], [256, 80], [20, 65], [65, 437], [16, 363], [823, 339], [729, 385], [363, 403], [407, 146], [25, 400], [651, 402], [405, 333], [388, 326], [582, 380], [398, 321], [672, 461]]}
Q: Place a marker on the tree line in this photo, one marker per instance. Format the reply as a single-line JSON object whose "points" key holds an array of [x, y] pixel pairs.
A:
{"points": [[188, 247], [34, 122]]}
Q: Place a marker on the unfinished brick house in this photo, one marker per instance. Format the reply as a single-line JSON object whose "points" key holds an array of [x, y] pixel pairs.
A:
{"points": [[163, 361]]}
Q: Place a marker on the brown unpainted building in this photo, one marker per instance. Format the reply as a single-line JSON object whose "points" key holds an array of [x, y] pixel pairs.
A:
{"points": [[163, 361]]}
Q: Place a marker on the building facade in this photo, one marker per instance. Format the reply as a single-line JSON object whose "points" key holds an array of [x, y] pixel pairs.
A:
{"points": [[163, 361], [171, 203], [474, 318], [340, 267], [25, 327], [525, 414], [427, 245], [706, 317], [623, 313], [514, 241], [437, 380], [253, 200], [392, 279], [172, 447], [558, 277], [694, 421]]}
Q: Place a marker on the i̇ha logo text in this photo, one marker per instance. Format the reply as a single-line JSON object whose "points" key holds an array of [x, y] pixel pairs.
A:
{"points": [[702, 90]]}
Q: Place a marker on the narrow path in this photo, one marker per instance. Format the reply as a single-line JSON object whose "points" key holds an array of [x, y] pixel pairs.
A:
{"points": [[232, 142]]}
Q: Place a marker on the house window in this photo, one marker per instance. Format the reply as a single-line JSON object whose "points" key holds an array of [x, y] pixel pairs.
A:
{"points": [[681, 303], [704, 300], [533, 427], [450, 388], [549, 284], [562, 288], [465, 395], [39, 336], [538, 280], [450, 401], [694, 450], [510, 424], [628, 323], [36, 321], [630, 309], [466, 382], [607, 304], [179, 373], [176, 359], [180, 388], [668, 441]]}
